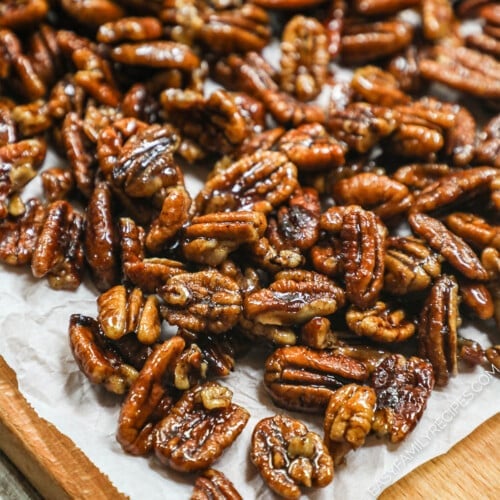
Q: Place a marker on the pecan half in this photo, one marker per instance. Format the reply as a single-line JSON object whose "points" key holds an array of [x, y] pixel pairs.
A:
{"points": [[474, 229], [201, 425], [288, 456], [493, 356], [214, 485]]}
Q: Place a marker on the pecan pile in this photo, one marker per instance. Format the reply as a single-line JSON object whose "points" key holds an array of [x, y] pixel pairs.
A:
{"points": [[346, 227]]}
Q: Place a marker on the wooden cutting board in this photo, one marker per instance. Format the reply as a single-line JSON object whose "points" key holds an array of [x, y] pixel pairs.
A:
{"points": [[59, 470]]}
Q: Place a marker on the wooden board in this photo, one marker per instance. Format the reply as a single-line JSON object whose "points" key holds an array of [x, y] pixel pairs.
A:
{"points": [[58, 469]]}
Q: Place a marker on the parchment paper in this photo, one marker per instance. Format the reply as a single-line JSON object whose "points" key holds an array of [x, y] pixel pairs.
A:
{"points": [[34, 341]]}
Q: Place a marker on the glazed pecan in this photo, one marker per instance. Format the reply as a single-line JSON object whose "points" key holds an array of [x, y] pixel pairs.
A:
{"points": [[57, 183], [402, 387], [303, 379], [363, 41], [460, 140], [333, 22], [463, 69], [363, 248], [348, 419], [386, 197], [317, 333], [136, 423], [304, 57], [471, 351], [293, 297], [326, 256], [201, 425], [59, 251], [410, 265], [485, 42], [19, 234], [383, 322], [289, 456], [474, 229], [129, 29], [15, 14], [93, 12], [418, 176], [101, 238], [122, 311], [451, 247], [259, 182], [437, 19], [210, 238], [361, 125], [404, 67], [437, 331], [32, 119], [487, 151], [476, 298], [202, 301], [99, 364], [214, 485], [493, 356]]}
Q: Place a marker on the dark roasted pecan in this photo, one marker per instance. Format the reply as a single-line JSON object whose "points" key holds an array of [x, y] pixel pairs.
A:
{"points": [[59, 248], [382, 322], [214, 485], [57, 183], [311, 148], [451, 247], [463, 69], [137, 416], [437, 331], [122, 312], [410, 265], [294, 297], [402, 387], [210, 238], [303, 379], [259, 182], [99, 364], [386, 197], [201, 425], [361, 125], [348, 419], [19, 234], [101, 238], [474, 229], [362, 41], [363, 248], [289, 456], [304, 57], [203, 301]]}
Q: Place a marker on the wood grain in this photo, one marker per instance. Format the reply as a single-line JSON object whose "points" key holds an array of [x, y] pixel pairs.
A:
{"points": [[49, 459]]}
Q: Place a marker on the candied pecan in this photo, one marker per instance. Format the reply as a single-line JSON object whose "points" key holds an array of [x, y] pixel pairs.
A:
{"points": [[410, 265], [437, 330], [474, 229], [402, 387], [363, 248], [311, 148], [304, 57], [463, 69], [130, 29], [259, 182], [477, 298], [437, 19], [294, 296], [460, 139], [32, 119], [404, 67], [485, 42], [101, 239], [289, 456], [369, 356], [348, 419], [493, 356], [136, 423], [488, 149], [385, 196], [19, 234], [15, 14], [303, 379], [361, 125], [317, 333], [210, 238], [99, 365], [173, 216], [66, 97], [59, 249], [201, 425], [471, 351], [450, 246], [377, 86], [93, 12], [333, 21], [8, 133], [379, 7], [382, 322], [418, 176], [214, 485], [287, 4], [190, 368], [363, 41], [122, 311], [156, 54], [206, 300], [19, 162], [326, 256]]}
